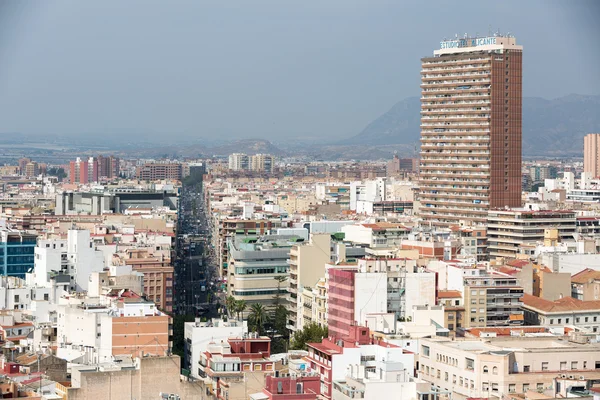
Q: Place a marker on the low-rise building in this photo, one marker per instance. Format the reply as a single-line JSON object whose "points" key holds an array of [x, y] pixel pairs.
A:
{"points": [[331, 358], [497, 367], [565, 311]]}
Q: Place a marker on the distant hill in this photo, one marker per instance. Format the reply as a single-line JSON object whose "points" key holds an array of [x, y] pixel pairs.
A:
{"points": [[550, 127], [248, 146]]}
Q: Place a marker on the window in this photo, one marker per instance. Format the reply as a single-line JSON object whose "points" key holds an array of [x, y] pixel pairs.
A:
{"points": [[573, 364], [495, 370], [485, 369], [525, 387], [551, 321], [470, 364], [563, 365], [560, 321], [586, 319], [577, 319], [46, 296], [16, 298], [540, 386], [567, 320], [446, 376], [544, 366], [425, 351]]}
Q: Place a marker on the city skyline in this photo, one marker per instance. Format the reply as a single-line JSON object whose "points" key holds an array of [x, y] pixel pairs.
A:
{"points": [[269, 72]]}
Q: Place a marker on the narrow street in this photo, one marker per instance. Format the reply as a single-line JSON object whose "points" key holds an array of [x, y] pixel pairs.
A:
{"points": [[194, 274]]}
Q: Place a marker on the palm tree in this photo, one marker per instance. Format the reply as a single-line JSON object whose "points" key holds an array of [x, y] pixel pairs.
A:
{"points": [[230, 304], [258, 317], [240, 307]]}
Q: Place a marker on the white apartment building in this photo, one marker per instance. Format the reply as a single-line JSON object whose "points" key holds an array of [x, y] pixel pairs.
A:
{"points": [[96, 329], [198, 335], [75, 257], [239, 162]]}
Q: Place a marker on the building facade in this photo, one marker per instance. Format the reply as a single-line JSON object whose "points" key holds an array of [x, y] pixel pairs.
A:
{"points": [[591, 154], [17, 252], [160, 171], [470, 129], [509, 229]]}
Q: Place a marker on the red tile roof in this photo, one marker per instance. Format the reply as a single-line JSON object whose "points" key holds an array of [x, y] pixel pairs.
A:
{"points": [[449, 294], [566, 304], [585, 276]]}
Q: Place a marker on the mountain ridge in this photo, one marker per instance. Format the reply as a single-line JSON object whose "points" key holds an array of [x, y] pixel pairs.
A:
{"points": [[552, 127]]}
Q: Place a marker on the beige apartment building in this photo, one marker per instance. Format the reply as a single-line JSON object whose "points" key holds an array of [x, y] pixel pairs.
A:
{"points": [[470, 129], [313, 305], [307, 266], [508, 230], [497, 367], [255, 264], [492, 300], [591, 154]]}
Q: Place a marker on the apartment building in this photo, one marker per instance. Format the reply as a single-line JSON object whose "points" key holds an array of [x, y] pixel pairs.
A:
{"points": [[17, 252], [312, 305], [199, 335], [83, 171], [331, 359], [591, 154], [255, 263], [108, 167], [492, 300], [510, 229], [470, 129], [372, 286], [239, 162], [454, 309], [76, 257], [379, 234], [306, 266], [160, 171], [226, 363], [158, 277], [497, 367], [585, 285], [262, 163], [583, 314], [226, 229], [96, 332]]}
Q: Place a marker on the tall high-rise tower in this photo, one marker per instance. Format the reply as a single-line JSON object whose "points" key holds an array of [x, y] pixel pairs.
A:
{"points": [[470, 129], [591, 154]]}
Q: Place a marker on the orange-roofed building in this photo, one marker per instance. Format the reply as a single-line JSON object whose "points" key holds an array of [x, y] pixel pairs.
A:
{"points": [[454, 309], [565, 311], [585, 285]]}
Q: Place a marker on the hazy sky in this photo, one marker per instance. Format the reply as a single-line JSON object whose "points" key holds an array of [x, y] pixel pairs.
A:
{"points": [[268, 69]]}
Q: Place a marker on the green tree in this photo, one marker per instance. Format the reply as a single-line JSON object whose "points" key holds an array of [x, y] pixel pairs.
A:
{"points": [[239, 307], [311, 333], [230, 304], [257, 318]]}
